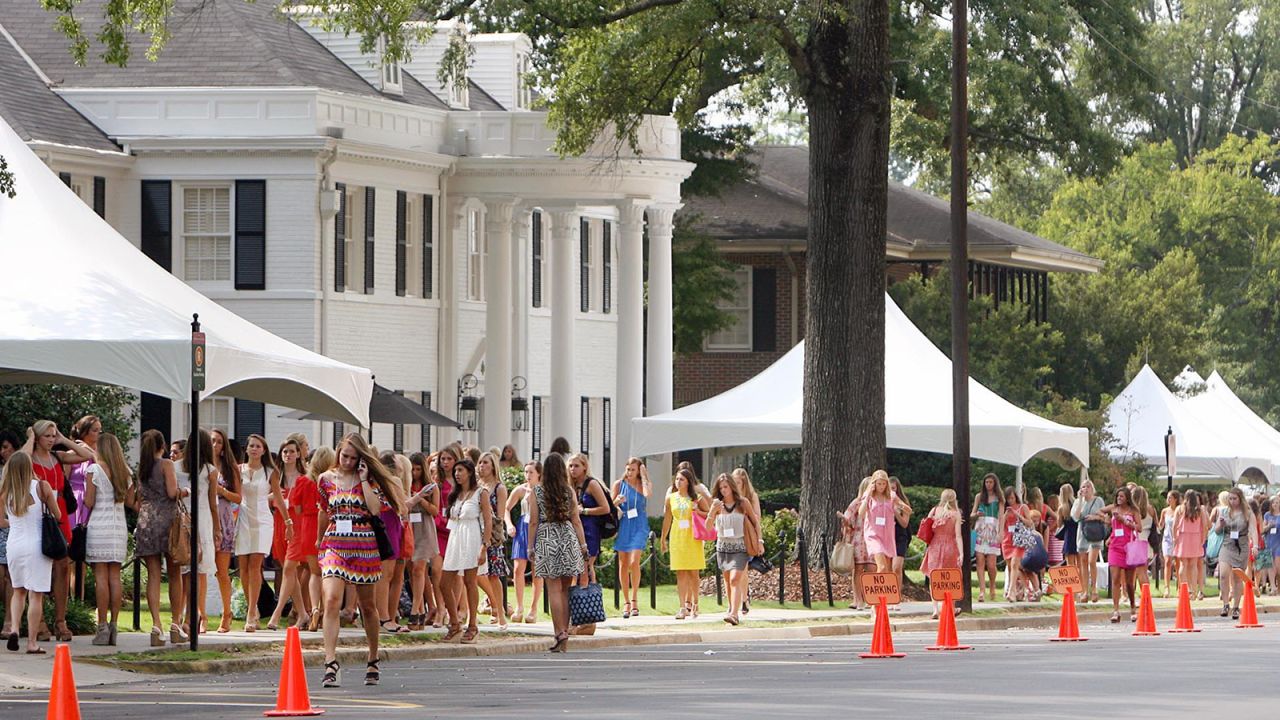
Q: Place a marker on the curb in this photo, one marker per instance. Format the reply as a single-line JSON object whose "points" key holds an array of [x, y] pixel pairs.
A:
{"points": [[355, 655]]}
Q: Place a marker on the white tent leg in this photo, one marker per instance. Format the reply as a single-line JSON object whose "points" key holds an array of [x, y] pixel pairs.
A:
{"points": [[1017, 482]]}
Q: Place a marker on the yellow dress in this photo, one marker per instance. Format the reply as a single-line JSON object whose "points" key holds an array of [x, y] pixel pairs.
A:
{"points": [[686, 552]]}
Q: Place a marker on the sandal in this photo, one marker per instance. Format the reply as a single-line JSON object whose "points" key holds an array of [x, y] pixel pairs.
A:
{"points": [[469, 637], [452, 634], [684, 613], [64, 633], [531, 618], [1115, 617], [316, 619], [372, 675], [1235, 613], [395, 627], [562, 643], [37, 651], [331, 670]]}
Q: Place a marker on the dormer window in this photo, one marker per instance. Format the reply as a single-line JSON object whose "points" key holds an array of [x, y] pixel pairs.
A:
{"points": [[390, 74], [524, 92]]}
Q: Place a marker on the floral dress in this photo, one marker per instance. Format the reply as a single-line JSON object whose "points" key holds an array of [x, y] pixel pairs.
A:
{"points": [[497, 552], [349, 549], [853, 533]]}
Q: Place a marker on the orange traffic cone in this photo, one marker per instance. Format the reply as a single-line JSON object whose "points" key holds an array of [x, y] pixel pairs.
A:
{"points": [[1146, 614], [1068, 625], [1185, 621], [293, 698], [63, 703], [882, 636], [947, 639], [1249, 612]]}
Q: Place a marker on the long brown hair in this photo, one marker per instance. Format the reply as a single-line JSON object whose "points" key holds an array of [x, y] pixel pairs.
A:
{"points": [[228, 467], [690, 482], [83, 426], [152, 444], [557, 496], [111, 460], [200, 436], [723, 478], [379, 475]]}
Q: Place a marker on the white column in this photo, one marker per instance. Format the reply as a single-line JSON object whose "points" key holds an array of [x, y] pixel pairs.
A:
{"points": [[564, 309], [495, 428], [661, 327], [630, 340], [520, 281]]}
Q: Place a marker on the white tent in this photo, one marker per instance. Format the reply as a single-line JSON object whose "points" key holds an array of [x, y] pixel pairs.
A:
{"points": [[766, 410], [1217, 406], [80, 303], [1143, 413]]}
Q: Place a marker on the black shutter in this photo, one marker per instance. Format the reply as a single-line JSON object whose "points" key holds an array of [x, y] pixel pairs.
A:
{"points": [[606, 258], [536, 235], [65, 178], [764, 305], [340, 241], [339, 431], [251, 234], [100, 196], [537, 428], [584, 262], [397, 432], [402, 248], [370, 214], [606, 426], [157, 222], [584, 418], [428, 248], [156, 413], [425, 444], [250, 419]]}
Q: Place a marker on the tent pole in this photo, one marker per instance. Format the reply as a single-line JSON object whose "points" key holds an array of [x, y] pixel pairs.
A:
{"points": [[1017, 481], [193, 447], [960, 481]]}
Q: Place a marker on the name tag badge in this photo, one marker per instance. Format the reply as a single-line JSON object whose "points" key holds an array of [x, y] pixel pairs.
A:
{"points": [[1235, 535], [415, 517], [344, 526], [633, 513], [728, 532], [1119, 532], [1273, 531], [684, 524], [880, 521]]}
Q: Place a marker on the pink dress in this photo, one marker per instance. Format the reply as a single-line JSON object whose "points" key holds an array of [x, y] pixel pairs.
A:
{"points": [[943, 552], [1118, 548], [1189, 537], [878, 530], [853, 533]]}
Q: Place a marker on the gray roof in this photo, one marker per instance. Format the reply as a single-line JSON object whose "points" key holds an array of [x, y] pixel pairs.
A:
{"points": [[213, 43], [36, 113], [773, 207], [478, 99]]}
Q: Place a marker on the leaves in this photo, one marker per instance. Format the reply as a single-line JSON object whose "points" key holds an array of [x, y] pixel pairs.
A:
{"points": [[21, 405]]}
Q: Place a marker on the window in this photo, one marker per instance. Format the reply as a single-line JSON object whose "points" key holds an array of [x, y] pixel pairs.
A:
{"points": [[390, 75], [206, 233], [524, 89], [536, 421], [341, 231], [413, 249], [584, 421], [402, 243], [425, 444], [370, 230], [428, 231], [215, 414], [738, 335], [339, 432], [477, 252], [584, 263], [539, 259], [353, 235], [251, 419]]}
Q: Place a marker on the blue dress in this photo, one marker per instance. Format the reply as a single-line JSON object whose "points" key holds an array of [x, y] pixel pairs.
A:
{"points": [[1272, 537], [591, 523], [520, 543], [633, 530]]}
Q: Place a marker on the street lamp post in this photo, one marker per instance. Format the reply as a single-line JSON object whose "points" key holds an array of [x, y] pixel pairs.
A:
{"points": [[960, 280]]}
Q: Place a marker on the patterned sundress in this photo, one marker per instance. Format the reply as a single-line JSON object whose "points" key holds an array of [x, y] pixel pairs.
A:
{"points": [[498, 566], [350, 555]]}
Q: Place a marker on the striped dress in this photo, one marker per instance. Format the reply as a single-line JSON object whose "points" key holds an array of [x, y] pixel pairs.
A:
{"points": [[351, 555]]}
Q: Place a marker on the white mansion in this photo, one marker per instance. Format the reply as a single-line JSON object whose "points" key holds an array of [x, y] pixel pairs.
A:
{"points": [[374, 215]]}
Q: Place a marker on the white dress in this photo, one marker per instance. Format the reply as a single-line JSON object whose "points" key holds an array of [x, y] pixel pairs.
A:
{"points": [[254, 526], [465, 530], [29, 569], [106, 539], [204, 523]]}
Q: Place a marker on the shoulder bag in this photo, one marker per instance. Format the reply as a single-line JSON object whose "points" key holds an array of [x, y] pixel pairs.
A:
{"points": [[608, 521], [180, 535], [385, 551], [751, 536], [841, 561], [53, 544], [925, 532]]}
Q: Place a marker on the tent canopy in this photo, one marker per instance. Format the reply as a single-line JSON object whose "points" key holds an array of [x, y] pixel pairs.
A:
{"points": [[767, 410], [1217, 406], [391, 407], [80, 303], [1146, 410]]}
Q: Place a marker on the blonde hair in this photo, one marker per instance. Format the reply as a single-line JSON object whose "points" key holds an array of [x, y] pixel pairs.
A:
{"points": [[111, 460], [745, 488], [404, 469], [586, 463], [947, 500], [323, 460], [1066, 498], [15, 485], [493, 463], [875, 478]]}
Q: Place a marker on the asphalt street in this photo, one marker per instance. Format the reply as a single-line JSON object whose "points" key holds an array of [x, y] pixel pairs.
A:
{"points": [[1220, 671]]}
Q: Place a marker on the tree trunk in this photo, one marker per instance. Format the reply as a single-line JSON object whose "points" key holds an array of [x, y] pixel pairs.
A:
{"points": [[847, 96]]}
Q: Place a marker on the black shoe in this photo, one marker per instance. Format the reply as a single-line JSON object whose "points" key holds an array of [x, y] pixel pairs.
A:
{"points": [[1225, 609], [12, 644], [331, 671], [1235, 614]]}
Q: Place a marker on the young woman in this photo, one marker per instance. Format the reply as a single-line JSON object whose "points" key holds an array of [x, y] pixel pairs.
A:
{"points": [[107, 535], [1067, 526], [86, 431], [255, 528], [350, 495], [631, 497], [593, 504], [851, 529], [224, 460], [8, 446], [157, 494], [1030, 556], [1015, 513], [1190, 529], [944, 548], [497, 568], [1170, 567], [901, 534], [560, 446], [1088, 514], [42, 438], [1146, 523], [521, 554], [742, 480], [1125, 524], [686, 552], [469, 520], [988, 508], [207, 506], [424, 573], [26, 498], [877, 515], [556, 540], [509, 459], [387, 592], [730, 516], [323, 459], [1235, 521], [301, 564], [1271, 540]]}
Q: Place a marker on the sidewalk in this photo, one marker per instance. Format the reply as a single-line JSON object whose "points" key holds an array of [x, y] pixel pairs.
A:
{"points": [[237, 651]]}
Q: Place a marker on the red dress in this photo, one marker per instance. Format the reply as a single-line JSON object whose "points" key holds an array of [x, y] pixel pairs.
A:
{"points": [[1006, 543], [304, 507], [55, 478]]}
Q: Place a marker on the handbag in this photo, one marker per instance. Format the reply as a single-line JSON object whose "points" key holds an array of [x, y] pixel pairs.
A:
{"points": [[1214, 547], [760, 564], [842, 558], [586, 604], [700, 529], [1135, 553], [1094, 530], [925, 532], [53, 544], [751, 536], [608, 521], [69, 497], [79, 543], [180, 535], [385, 551], [1036, 557]]}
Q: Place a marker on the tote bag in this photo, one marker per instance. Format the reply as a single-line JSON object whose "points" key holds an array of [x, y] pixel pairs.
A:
{"points": [[842, 558], [586, 604]]}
